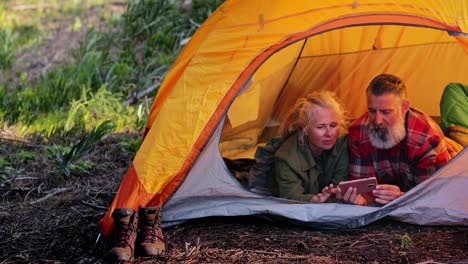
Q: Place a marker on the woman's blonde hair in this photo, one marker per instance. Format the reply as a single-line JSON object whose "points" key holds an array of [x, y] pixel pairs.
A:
{"points": [[301, 116]]}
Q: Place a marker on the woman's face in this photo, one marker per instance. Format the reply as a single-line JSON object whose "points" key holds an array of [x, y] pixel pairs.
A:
{"points": [[323, 130]]}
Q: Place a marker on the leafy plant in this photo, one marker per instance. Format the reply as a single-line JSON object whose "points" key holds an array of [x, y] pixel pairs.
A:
{"points": [[406, 241], [7, 48], [14, 36], [141, 117], [137, 49], [131, 145], [91, 109], [4, 168], [66, 156], [25, 155], [77, 25], [4, 163], [81, 167]]}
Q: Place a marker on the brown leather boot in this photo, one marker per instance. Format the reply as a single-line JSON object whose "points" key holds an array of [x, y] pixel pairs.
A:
{"points": [[150, 240], [125, 224]]}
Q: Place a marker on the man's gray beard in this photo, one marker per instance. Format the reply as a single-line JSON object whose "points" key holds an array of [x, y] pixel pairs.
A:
{"points": [[384, 137]]}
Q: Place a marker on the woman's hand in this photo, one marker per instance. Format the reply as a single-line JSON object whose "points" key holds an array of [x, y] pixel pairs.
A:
{"points": [[324, 195]]}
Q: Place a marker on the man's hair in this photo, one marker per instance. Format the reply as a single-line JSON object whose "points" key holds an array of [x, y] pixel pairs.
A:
{"points": [[387, 83], [301, 115]]}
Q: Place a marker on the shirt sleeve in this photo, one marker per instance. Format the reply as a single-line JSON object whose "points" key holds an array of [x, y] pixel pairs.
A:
{"points": [[289, 182], [429, 157]]}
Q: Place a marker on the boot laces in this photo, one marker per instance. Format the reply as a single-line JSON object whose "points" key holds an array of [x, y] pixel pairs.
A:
{"points": [[151, 234], [124, 237]]}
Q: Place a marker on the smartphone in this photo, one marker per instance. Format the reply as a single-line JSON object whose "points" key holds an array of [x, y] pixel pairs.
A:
{"points": [[362, 185]]}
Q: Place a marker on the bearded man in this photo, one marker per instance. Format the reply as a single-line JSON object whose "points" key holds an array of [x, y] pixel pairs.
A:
{"points": [[399, 145]]}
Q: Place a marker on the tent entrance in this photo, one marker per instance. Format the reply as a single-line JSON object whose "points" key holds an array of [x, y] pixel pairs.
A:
{"points": [[343, 60]]}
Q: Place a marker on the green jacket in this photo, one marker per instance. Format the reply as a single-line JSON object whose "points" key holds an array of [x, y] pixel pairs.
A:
{"points": [[297, 172]]}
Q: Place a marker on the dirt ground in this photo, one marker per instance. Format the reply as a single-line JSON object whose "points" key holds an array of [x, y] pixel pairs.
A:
{"points": [[58, 42], [48, 219]]}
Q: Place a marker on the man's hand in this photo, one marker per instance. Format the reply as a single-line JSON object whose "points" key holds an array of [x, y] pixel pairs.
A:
{"points": [[350, 196], [324, 195], [385, 193]]}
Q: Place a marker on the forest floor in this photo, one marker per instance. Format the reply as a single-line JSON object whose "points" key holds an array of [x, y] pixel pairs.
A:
{"points": [[45, 219]]}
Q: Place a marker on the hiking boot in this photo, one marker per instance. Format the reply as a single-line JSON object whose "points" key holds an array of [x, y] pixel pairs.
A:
{"points": [[125, 224], [150, 240]]}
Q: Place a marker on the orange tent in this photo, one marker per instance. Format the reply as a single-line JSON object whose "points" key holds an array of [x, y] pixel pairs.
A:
{"points": [[252, 59]]}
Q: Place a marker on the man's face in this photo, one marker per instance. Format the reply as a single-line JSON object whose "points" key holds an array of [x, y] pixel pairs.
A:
{"points": [[386, 119]]}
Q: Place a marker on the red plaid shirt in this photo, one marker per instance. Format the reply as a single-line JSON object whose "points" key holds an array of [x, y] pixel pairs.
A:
{"points": [[422, 152]]}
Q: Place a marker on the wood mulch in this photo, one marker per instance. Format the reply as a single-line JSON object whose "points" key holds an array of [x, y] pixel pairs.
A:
{"points": [[48, 219]]}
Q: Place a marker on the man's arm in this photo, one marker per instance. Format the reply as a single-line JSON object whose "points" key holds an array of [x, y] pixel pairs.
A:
{"points": [[427, 149], [431, 155]]}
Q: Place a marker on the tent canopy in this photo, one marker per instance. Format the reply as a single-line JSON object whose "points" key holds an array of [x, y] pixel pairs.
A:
{"points": [[251, 60]]}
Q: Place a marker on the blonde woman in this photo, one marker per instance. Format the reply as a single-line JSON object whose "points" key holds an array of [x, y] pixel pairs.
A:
{"points": [[313, 156]]}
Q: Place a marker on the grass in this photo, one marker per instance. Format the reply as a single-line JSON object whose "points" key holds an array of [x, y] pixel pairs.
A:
{"points": [[68, 158], [131, 145], [69, 106], [138, 48], [24, 23], [13, 36]]}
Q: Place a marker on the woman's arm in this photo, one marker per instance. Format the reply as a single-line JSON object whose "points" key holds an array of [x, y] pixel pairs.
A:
{"points": [[290, 184]]}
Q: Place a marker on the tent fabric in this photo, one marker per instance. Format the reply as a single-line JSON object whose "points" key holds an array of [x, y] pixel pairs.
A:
{"points": [[441, 200], [251, 59]]}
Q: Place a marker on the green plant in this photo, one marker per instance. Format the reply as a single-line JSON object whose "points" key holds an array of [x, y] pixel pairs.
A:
{"points": [[138, 48], [3, 179], [4, 163], [91, 109], [24, 155], [77, 25], [141, 117], [406, 241], [144, 17], [14, 35], [5, 169], [66, 156], [131, 145], [81, 167], [7, 48]]}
